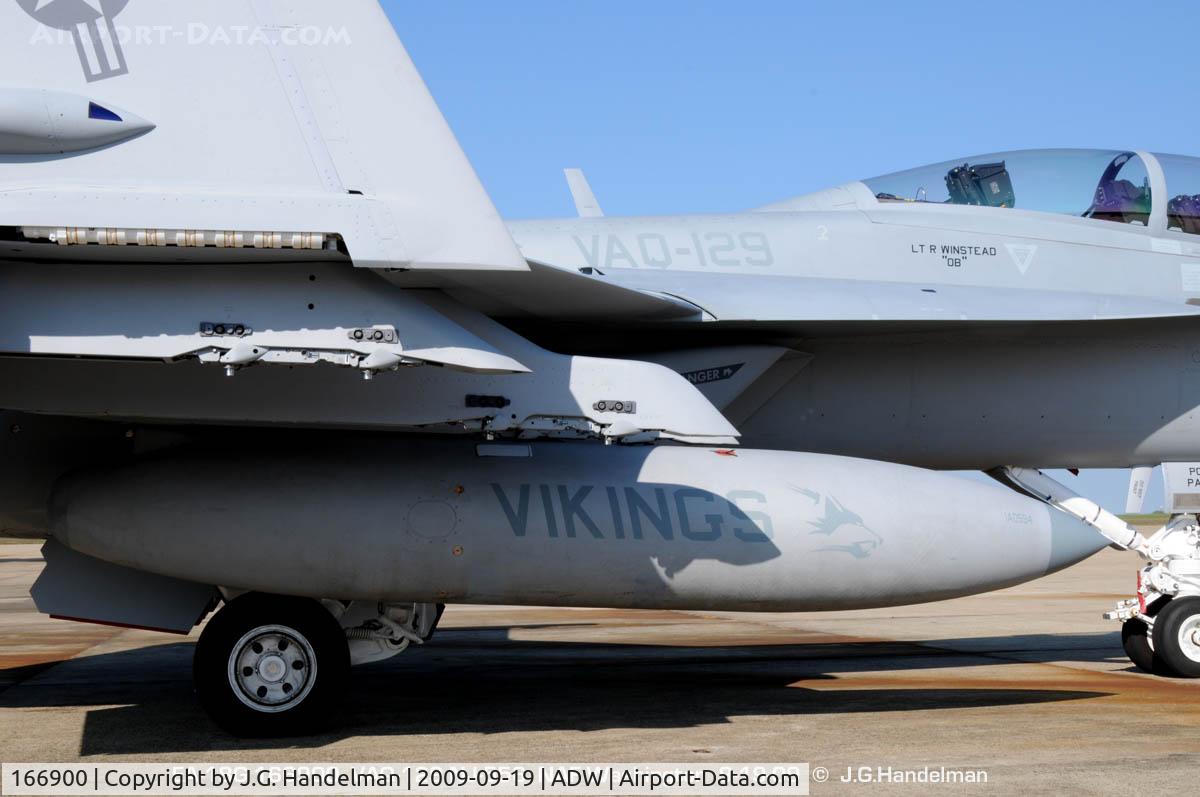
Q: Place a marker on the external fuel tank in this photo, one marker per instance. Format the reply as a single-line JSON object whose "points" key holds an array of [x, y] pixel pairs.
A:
{"points": [[564, 523]]}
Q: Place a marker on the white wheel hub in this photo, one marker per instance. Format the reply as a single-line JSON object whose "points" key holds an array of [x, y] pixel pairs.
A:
{"points": [[1189, 637], [272, 668]]}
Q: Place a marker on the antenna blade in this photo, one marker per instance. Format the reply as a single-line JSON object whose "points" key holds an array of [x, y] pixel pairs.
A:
{"points": [[1139, 478], [581, 192]]}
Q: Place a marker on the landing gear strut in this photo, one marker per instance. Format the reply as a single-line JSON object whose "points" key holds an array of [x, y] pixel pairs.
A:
{"points": [[268, 665]]}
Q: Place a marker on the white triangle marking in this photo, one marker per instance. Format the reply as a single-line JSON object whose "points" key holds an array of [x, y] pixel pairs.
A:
{"points": [[1022, 255]]}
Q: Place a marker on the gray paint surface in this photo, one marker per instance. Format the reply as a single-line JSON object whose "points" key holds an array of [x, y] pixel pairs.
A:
{"points": [[571, 524], [78, 587], [329, 198]]}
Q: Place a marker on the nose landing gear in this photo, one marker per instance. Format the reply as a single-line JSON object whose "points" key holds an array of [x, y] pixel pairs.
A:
{"points": [[1136, 640], [1160, 628], [1169, 644], [1177, 636]]}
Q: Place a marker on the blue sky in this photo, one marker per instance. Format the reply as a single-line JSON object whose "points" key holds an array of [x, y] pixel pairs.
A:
{"points": [[698, 106]]}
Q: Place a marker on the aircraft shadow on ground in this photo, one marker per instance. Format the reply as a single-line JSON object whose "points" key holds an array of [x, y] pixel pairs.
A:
{"points": [[480, 681]]}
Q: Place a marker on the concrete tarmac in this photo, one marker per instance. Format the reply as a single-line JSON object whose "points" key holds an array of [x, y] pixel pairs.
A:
{"points": [[1028, 684]]}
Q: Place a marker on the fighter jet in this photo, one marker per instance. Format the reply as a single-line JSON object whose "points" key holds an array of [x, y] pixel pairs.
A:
{"points": [[268, 350]]}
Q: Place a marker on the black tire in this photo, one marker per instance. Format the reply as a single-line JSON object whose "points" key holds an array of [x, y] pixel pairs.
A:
{"points": [[1177, 636], [1136, 639], [268, 665]]}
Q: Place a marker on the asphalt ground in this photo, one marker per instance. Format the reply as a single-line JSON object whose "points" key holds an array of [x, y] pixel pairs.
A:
{"points": [[1028, 684]]}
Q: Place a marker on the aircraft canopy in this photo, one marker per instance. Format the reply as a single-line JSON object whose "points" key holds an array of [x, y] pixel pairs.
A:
{"points": [[1111, 185]]}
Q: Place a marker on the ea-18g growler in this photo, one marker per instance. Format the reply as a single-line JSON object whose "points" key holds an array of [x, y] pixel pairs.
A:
{"points": [[266, 348]]}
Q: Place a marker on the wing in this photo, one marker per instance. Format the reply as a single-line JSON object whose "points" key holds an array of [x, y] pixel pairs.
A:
{"points": [[238, 124]]}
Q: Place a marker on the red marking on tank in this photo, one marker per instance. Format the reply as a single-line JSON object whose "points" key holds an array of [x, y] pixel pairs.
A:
{"points": [[120, 625]]}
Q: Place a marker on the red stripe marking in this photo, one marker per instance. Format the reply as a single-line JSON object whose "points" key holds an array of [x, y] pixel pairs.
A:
{"points": [[120, 625]]}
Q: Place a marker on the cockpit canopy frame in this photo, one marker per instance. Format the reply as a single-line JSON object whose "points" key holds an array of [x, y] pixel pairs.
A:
{"points": [[1160, 192]]}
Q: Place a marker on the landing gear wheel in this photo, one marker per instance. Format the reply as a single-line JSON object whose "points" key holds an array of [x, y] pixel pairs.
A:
{"points": [[271, 666], [1136, 639], [1177, 636]]}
